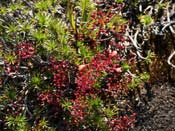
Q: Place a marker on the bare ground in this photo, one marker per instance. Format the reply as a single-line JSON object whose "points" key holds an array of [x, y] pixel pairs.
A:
{"points": [[156, 112]]}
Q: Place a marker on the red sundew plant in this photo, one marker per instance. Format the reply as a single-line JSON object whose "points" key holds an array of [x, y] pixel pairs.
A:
{"points": [[60, 73], [123, 123], [62, 82], [25, 50], [89, 78], [11, 69], [79, 111], [49, 97], [103, 24]]}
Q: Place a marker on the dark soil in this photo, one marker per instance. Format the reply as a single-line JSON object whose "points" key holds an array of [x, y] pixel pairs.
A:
{"points": [[156, 112]]}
